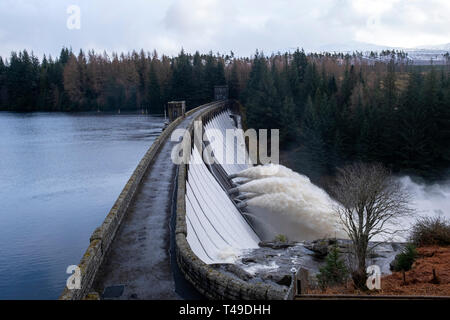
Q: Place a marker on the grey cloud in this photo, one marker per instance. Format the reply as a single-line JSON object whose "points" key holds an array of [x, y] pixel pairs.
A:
{"points": [[237, 25]]}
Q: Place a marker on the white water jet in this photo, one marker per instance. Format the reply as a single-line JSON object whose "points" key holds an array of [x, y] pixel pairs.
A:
{"points": [[290, 203], [270, 170]]}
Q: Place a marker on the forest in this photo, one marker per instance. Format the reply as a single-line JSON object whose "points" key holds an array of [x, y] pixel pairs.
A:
{"points": [[331, 108]]}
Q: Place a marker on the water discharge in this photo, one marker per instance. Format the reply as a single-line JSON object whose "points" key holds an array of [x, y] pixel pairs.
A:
{"points": [[290, 203], [270, 170], [295, 207]]}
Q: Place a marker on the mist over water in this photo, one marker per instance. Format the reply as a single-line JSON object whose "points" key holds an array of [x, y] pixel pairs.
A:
{"points": [[429, 200], [281, 201]]}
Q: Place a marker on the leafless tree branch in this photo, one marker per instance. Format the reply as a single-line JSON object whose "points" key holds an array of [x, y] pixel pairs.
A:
{"points": [[370, 203]]}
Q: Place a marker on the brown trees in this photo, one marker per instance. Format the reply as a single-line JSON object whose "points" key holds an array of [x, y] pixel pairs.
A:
{"points": [[72, 80], [371, 202]]}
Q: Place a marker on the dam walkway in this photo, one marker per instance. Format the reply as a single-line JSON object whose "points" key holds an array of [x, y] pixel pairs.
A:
{"points": [[139, 257]]}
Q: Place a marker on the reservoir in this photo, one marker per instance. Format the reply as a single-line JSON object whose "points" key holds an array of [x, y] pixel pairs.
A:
{"points": [[60, 174]]}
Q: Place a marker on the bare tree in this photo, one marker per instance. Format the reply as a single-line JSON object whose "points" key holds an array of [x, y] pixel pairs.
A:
{"points": [[370, 203]]}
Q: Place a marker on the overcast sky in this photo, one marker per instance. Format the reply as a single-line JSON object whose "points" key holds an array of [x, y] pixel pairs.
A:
{"points": [[221, 26]]}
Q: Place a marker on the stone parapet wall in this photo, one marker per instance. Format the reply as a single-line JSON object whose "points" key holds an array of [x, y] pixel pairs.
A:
{"points": [[103, 236]]}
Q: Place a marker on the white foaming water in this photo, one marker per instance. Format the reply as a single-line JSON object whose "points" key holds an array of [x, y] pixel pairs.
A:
{"points": [[229, 254], [293, 206], [271, 170], [290, 203], [253, 269]]}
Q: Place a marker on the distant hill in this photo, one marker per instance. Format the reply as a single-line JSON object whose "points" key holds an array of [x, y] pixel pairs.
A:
{"points": [[443, 47], [351, 46]]}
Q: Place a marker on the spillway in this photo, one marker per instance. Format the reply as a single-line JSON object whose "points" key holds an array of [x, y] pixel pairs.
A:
{"points": [[288, 204], [226, 217], [216, 230]]}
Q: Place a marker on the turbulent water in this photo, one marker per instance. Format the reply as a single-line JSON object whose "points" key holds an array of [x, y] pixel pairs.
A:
{"points": [[281, 201], [428, 200], [59, 176], [289, 203]]}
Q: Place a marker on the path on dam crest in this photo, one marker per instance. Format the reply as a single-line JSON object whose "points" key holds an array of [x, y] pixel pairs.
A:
{"points": [[139, 256]]}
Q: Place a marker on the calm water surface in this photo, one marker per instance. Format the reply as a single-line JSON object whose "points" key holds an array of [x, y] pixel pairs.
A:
{"points": [[59, 176]]}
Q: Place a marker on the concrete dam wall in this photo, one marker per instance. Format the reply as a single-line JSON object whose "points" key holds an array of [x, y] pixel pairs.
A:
{"points": [[210, 229], [216, 230]]}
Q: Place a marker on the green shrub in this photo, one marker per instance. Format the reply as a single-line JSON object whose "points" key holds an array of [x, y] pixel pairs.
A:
{"points": [[281, 238], [334, 272], [431, 231], [405, 260]]}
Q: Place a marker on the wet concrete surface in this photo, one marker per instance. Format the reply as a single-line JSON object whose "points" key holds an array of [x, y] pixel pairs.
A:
{"points": [[139, 257]]}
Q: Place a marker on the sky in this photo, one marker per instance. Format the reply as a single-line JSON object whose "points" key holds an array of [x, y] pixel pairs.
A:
{"points": [[241, 26]]}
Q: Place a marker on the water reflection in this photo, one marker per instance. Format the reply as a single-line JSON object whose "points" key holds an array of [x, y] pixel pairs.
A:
{"points": [[59, 176]]}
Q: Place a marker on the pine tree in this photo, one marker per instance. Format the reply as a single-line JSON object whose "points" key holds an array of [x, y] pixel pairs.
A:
{"points": [[234, 84], [199, 90], [262, 105], [288, 124], [181, 83], [22, 79], [413, 137], [296, 74], [3, 88], [210, 76], [154, 91], [220, 73], [334, 272], [313, 156]]}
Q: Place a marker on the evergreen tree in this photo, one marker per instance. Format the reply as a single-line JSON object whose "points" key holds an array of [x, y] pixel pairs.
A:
{"points": [[334, 272], [210, 76], [220, 73], [296, 74], [261, 103], [288, 124], [199, 92], [313, 156], [414, 137], [331, 108], [233, 84], [3, 88], [154, 91], [182, 78]]}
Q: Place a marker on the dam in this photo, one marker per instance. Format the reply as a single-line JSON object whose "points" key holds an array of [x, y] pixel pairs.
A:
{"points": [[190, 230], [132, 246]]}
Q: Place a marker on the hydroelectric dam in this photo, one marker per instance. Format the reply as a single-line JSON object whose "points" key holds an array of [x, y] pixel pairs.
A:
{"points": [[202, 229]]}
